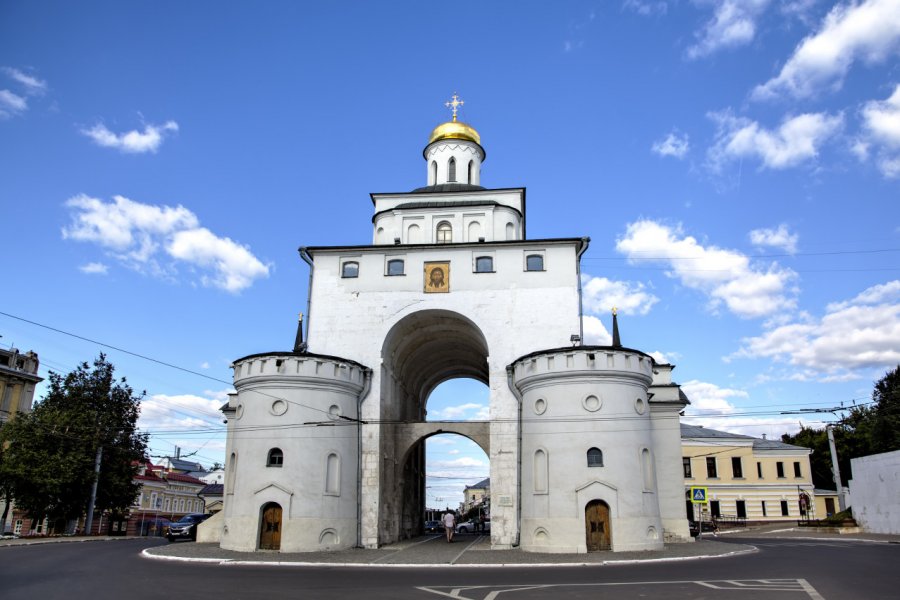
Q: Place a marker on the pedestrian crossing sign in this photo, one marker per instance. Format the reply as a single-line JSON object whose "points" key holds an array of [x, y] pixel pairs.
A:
{"points": [[698, 495]]}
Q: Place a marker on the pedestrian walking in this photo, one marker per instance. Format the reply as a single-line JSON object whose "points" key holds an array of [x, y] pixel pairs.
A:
{"points": [[449, 525]]}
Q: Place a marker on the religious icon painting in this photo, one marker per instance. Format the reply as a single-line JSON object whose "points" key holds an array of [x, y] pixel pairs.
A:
{"points": [[437, 277]]}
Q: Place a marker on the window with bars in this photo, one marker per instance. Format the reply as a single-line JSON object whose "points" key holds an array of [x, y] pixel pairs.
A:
{"points": [[595, 457]]}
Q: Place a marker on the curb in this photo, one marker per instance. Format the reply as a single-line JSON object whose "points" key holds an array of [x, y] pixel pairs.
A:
{"points": [[270, 563]]}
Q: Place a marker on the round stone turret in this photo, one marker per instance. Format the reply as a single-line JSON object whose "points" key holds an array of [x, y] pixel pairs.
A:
{"points": [[293, 430]]}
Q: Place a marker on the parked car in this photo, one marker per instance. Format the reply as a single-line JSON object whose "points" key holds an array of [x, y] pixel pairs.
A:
{"points": [[434, 527], [708, 527], [185, 528], [157, 526], [467, 526]]}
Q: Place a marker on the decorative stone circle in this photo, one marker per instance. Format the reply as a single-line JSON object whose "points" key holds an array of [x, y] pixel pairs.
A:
{"points": [[540, 406], [279, 407], [640, 406], [592, 403]]}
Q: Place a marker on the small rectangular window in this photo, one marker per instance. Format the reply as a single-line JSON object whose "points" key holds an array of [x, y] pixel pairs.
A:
{"points": [[737, 469], [759, 470], [797, 472], [534, 262], [711, 470], [715, 509], [741, 508], [484, 264], [784, 509], [686, 462], [395, 267], [763, 504], [779, 469], [350, 269]]}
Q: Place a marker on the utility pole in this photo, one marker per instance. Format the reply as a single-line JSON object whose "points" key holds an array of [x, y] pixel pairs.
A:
{"points": [[89, 522], [835, 469]]}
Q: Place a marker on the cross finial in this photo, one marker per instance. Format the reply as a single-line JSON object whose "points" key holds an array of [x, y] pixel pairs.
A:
{"points": [[454, 104], [615, 311]]}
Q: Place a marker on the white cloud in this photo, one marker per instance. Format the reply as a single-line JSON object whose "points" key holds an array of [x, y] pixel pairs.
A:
{"points": [[94, 268], [646, 8], [867, 31], [860, 333], [600, 295], [881, 122], [183, 411], [470, 411], [725, 276], [664, 358], [156, 239], [595, 333], [780, 238], [204, 365], [733, 24], [796, 140], [712, 407], [672, 145], [11, 104], [131, 142], [33, 86]]}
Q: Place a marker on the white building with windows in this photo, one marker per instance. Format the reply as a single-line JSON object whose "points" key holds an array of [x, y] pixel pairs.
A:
{"points": [[326, 442]]}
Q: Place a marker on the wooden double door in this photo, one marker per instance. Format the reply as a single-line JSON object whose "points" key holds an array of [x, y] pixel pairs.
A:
{"points": [[270, 527], [597, 526]]}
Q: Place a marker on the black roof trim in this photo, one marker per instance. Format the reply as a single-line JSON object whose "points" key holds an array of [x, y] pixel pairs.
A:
{"points": [[581, 348], [447, 204], [303, 354], [388, 247]]}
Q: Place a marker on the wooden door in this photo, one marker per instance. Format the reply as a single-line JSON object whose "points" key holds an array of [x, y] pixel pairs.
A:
{"points": [[596, 525], [270, 528]]}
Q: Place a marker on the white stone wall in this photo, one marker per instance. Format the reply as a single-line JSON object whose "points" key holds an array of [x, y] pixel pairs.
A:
{"points": [[293, 403], [516, 312], [463, 151], [494, 222], [875, 489]]}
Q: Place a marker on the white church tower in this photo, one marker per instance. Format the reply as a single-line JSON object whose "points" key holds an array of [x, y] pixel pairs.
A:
{"points": [[326, 443]]}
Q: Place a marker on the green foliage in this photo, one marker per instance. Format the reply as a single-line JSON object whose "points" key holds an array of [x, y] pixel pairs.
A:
{"points": [[865, 430], [48, 461]]}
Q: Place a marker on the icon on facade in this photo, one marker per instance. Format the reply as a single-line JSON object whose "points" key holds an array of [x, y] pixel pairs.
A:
{"points": [[437, 277]]}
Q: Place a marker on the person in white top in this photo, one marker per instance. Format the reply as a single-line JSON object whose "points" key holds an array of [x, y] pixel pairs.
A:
{"points": [[449, 525]]}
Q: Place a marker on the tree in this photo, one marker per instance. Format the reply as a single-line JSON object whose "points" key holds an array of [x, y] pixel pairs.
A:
{"points": [[865, 430], [48, 463]]}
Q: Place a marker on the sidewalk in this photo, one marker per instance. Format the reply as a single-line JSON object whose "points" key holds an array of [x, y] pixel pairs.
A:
{"points": [[785, 530], [469, 551]]}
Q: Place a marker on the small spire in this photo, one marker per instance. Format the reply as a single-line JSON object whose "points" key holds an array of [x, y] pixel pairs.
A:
{"points": [[299, 344], [616, 341], [454, 104]]}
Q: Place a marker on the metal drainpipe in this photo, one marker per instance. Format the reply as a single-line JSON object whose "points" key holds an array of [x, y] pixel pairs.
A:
{"points": [[585, 242], [518, 396], [367, 387], [308, 260]]}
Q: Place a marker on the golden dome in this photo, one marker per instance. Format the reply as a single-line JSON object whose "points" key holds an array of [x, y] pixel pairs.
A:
{"points": [[454, 130]]}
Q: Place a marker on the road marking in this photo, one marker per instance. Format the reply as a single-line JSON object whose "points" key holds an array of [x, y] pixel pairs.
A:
{"points": [[796, 586], [393, 554], [463, 551]]}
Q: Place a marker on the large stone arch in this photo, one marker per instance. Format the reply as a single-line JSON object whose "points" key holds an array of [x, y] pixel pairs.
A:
{"points": [[421, 351]]}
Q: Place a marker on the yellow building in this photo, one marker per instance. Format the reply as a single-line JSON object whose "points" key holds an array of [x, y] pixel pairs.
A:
{"points": [[477, 494], [748, 479]]}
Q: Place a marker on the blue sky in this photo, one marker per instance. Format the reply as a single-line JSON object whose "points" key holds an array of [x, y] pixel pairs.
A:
{"points": [[736, 164]]}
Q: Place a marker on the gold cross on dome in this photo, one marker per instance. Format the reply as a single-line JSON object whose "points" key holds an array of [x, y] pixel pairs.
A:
{"points": [[615, 311], [454, 104]]}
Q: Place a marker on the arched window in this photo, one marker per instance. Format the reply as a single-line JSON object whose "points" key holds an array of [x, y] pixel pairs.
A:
{"points": [[444, 233], [395, 267], [647, 469], [484, 264], [433, 173], [534, 262], [595, 457], [276, 458], [510, 231], [471, 172], [350, 269], [451, 170]]}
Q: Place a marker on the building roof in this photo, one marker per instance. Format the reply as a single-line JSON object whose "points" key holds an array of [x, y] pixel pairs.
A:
{"points": [[698, 431], [184, 465], [481, 485], [183, 478], [449, 187], [213, 489]]}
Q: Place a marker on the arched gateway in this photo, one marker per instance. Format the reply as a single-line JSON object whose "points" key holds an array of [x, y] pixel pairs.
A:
{"points": [[333, 432]]}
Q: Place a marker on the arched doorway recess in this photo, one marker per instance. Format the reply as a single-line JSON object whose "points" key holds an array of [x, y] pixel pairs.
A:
{"points": [[419, 353], [597, 526], [270, 527]]}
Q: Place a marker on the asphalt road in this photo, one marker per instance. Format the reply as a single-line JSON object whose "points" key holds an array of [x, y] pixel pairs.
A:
{"points": [[782, 569]]}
